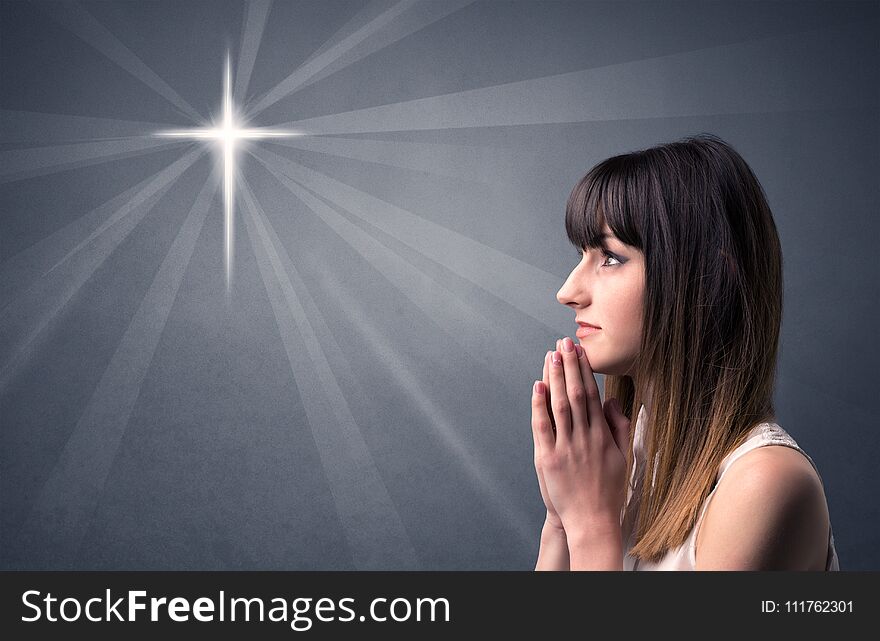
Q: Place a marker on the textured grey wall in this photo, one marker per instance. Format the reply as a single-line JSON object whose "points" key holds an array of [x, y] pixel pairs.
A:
{"points": [[359, 398]]}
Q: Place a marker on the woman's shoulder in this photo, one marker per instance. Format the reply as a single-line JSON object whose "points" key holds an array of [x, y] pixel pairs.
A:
{"points": [[769, 510], [775, 463], [768, 444]]}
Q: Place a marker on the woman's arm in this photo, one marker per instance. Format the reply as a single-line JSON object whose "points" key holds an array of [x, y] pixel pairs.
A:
{"points": [[553, 554], [768, 513]]}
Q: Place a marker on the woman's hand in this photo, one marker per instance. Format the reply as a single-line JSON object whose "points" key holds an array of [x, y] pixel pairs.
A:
{"points": [[579, 444], [552, 518]]}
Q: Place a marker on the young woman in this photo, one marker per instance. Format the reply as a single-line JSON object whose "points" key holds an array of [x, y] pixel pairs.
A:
{"points": [[678, 294]]}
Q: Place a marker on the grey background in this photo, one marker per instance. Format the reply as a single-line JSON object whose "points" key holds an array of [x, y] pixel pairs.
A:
{"points": [[360, 399]]}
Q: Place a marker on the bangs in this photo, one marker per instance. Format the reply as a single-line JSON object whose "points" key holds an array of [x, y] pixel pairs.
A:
{"points": [[603, 197]]}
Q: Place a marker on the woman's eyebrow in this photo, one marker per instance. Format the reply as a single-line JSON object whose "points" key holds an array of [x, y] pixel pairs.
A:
{"points": [[621, 246], [605, 237]]}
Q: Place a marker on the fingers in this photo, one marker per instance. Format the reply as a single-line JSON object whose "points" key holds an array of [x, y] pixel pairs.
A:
{"points": [[595, 412], [574, 388], [546, 381], [542, 430], [559, 399]]}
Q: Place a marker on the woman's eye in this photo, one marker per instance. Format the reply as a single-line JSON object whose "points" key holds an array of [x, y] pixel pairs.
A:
{"points": [[580, 256]]}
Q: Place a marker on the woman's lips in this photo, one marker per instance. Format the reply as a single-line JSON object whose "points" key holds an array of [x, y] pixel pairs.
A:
{"points": [[584, 331]]}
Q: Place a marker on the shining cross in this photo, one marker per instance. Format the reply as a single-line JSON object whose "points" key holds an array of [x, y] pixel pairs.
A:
{"points": [[229, 131]]}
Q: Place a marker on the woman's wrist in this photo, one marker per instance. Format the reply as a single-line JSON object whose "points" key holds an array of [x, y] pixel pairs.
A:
{"points": [[595, 546], [553, 526], [553, 553]]}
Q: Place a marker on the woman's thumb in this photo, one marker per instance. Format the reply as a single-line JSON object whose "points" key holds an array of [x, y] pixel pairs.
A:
{"points": [[618, 423]]}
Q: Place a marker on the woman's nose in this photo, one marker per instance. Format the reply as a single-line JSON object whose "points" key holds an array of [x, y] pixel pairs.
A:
{"points": [[560, 296], [568, 292]]}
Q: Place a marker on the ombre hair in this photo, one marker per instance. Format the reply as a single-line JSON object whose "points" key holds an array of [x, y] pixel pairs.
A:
{"points": [[712, 315]]}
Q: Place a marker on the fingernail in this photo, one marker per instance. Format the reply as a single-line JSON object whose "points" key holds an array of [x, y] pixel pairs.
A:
{"points": [[539, 387], [567, 344], [557, 358], [579, 350]]}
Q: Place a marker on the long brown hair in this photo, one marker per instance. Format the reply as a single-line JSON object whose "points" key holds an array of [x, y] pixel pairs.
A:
{"points": [[712, 315]]}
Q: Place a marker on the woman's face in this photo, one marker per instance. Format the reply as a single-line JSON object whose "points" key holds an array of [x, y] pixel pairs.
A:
{"points": [[607, 290]]}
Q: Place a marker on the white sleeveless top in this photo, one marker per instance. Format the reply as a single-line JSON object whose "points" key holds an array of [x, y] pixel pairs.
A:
{"points": [[684, 556]]}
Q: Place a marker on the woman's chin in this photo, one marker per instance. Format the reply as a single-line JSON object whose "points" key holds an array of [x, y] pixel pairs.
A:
{"points": [[597, 364], [600, 364]]}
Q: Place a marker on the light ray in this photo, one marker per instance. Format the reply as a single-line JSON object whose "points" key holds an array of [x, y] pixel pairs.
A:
{"points": [[389, 356], [419, 17], [495, 272], [659, 87], [18, 273], [230, 131], [59, 518], [393, 24], [452, 315], [78, 20], [18, 164], [371, 10], [314, 65], [373, 528], [125, 212], [22, 323], [34, 127], [464, 162], [252, 35], [386, 354]]}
